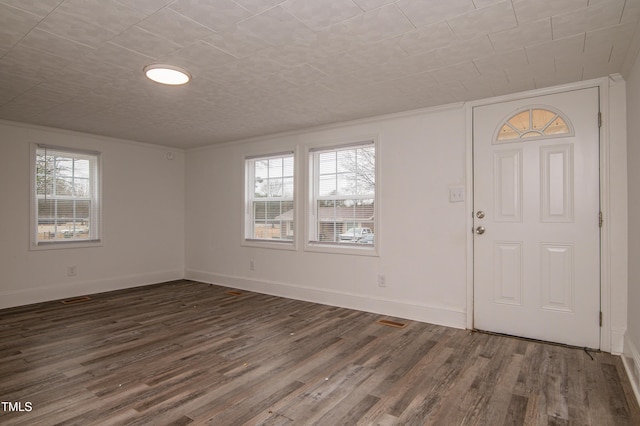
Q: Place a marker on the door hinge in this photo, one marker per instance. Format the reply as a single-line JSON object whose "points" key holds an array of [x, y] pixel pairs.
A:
{"points": [[600, 318], [600, 219], [599, 120]]}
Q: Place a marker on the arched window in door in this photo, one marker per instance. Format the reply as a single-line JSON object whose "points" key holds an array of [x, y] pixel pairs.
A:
{"points": [[533, 123]]}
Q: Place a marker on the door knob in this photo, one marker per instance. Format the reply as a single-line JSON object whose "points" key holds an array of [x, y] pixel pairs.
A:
{"points": [[480, 230]]}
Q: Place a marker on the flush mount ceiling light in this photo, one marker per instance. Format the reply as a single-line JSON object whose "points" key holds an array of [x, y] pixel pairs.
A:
{"points": [[167, 74]]}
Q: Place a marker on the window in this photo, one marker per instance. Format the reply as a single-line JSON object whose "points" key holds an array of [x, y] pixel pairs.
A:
{"points": [[66, 207], [343, 196], [533, 123], [269, 210]]}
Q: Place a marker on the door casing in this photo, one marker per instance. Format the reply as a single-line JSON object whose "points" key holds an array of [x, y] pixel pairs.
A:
{"points": [[605, 203]]}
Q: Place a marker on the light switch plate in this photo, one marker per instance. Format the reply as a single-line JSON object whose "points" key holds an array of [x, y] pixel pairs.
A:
{"points": [[456, 194]]}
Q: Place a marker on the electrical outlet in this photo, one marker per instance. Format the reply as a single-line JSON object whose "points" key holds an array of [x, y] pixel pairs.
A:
{"points": [[71, 271], [252, 265], [382, 281]]}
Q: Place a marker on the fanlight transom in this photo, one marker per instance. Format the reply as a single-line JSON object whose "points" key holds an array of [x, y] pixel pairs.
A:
{"points": [[534, 123]]}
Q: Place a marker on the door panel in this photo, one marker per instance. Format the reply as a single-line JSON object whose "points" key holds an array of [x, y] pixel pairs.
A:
{"points": [[536, 265], [507, 178], [557, 183]]}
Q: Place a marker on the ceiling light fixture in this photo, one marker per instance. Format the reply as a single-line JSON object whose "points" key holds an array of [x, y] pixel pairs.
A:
{"points": [[167, 74]]}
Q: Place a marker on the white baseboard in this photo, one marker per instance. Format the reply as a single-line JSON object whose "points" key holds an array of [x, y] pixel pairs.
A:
{"points": [[396, 308], [9, 299], [631, 361]]}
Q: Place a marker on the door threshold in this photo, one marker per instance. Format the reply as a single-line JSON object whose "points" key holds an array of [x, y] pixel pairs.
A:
{"points": [[530, 339]]}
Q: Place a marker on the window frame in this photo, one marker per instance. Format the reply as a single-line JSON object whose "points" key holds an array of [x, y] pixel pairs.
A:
{"points": [[312, 197], [95, 233], [248, 200]]}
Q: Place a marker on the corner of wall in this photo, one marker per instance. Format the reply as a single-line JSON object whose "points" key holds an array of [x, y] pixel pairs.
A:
{"points": [[634, 50]]}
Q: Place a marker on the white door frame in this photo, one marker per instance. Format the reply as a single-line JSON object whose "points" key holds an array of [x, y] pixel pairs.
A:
{"points": [[605, 202]]}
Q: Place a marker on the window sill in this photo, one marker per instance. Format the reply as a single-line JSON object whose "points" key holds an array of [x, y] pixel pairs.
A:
{"points": [[58, 245], [277, 245], [349, 249]]}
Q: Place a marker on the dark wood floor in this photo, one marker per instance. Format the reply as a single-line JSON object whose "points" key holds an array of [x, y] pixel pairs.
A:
{"points": [[189, 353]]}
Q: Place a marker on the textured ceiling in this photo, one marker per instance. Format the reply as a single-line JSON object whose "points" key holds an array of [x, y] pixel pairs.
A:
{"points": [[266, 66]]}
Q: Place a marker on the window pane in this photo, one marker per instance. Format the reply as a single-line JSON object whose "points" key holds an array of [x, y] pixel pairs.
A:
{"points": [[327, 163], [288, 167], [327, 185], [64, 186], [338, 219], [81, 187], [275, 168], [65, 210], [46, 210], [366, 160], [366, 184], [287, 187], [260, 210], [261, 169], [83, 210], [346, 161], [521, 121], [63, 166], [507, 133], [44, 185], [347, 184], [81, 168], [541, 117], [261, 188], [558, 127]]}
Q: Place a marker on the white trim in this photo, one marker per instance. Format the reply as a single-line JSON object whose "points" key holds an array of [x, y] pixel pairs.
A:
{"points": [[291, 245], [605, 166], [12, 298], [631, 362], [398, 308], [96, 212]]}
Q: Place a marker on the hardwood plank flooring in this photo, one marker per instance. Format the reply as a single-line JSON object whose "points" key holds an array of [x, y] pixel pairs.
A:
{"points": [[187, 353]]}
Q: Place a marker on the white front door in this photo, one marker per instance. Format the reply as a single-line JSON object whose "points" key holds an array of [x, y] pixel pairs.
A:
{"points": [[536, 218]]}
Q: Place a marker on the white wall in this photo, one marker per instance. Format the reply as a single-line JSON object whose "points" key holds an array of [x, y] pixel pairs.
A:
{"points": [[143, 220], [632, 341], [422, 235]]}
